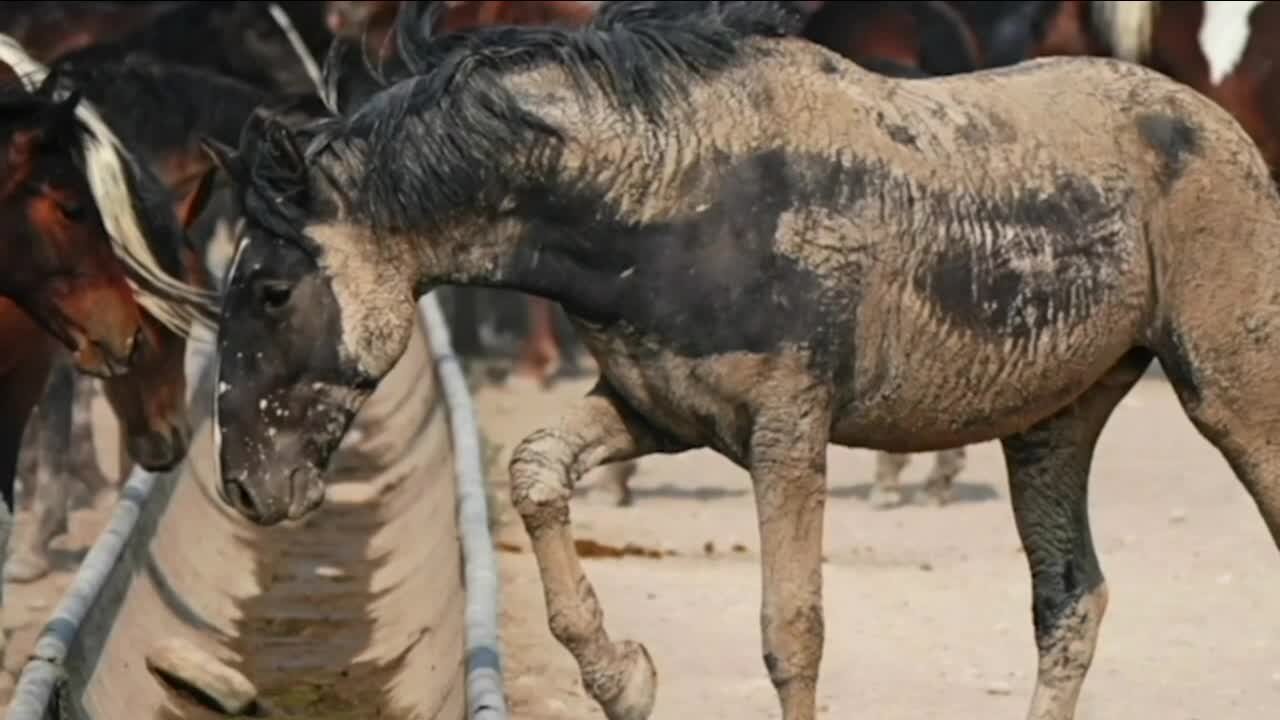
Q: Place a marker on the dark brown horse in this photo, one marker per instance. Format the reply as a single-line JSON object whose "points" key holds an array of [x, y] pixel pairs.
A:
{"points": [[242, 40], [49, 29], [539, 357]]}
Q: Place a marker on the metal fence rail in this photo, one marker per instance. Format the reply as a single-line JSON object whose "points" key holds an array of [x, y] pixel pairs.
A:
{"points": [[36, 696]]}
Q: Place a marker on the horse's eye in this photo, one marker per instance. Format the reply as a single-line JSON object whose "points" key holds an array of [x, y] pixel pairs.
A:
{"points": [[73, 212], [273, 295]]}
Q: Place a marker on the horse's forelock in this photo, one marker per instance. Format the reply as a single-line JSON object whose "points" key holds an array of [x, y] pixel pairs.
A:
{"points": [[108, 167]]}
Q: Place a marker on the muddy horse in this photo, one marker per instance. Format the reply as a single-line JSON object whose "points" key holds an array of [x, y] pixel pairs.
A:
{"points": [[756, 238], [539, 355]]}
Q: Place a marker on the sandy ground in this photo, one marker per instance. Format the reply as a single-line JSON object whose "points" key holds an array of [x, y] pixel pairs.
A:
{"points": [[927, 609]]}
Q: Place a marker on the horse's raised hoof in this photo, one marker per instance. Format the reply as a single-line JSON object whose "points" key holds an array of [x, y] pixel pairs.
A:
{"points": [[26, 566], [636, 681], [884, 498]]}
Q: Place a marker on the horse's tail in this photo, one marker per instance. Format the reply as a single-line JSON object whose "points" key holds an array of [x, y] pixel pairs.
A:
{"points": [[1126, 27]]}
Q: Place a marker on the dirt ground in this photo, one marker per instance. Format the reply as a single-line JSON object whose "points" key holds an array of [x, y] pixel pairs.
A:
{"points": [[927, 609]]}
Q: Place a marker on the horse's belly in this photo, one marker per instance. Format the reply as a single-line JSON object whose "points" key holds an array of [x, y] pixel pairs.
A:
{"points": [[915, 396]]}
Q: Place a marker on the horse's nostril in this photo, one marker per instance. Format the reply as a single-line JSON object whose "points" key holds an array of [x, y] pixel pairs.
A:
{"points": [[240, 498], [135, 347]]}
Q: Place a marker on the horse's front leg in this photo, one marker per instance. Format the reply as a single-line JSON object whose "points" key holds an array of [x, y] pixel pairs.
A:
{"points": [[788, 471], [544, 468], [54, 473]]}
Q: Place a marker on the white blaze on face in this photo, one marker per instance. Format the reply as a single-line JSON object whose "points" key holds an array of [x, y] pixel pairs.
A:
{"points": [[218, 383], [1224, 35]]}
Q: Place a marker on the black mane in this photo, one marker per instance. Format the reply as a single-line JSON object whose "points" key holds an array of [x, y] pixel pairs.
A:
{"points": [[236, 39], [157, 107], [410, 168]]}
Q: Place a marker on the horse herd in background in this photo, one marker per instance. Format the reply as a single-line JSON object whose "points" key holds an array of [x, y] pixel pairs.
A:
{"points": [[118, 236]]}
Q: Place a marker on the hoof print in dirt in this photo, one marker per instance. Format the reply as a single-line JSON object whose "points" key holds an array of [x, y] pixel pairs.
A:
{"points": [[204, 678]]}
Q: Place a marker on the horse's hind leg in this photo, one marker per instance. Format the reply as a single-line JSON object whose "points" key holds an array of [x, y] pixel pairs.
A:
{"points": [[885, 490], [48, 518], [947, 465], [1227, 385], [1048, 469], [544, 468]]}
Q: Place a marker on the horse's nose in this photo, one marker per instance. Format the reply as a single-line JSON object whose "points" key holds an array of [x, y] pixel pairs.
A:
{"points": [[236, 494], [159, 451]]}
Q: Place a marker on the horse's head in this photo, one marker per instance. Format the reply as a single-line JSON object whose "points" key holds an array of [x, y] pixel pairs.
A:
{"points": [[150, 400], [56, 258], [314, 315]]}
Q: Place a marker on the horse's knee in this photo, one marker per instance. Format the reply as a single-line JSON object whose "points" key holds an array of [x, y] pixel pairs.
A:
{"points": [[540, 482], [573, 623], [793, 635]]}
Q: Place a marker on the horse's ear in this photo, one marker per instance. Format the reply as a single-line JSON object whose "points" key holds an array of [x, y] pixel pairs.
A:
{"points": [[193, 205], [225, 159], [348, 79], [284, 139]]}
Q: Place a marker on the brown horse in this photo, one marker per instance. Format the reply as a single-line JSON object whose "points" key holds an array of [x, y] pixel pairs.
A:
{"points": [[134, 225], [539, 357], [56, 256], [149, 401], [157, 110]]}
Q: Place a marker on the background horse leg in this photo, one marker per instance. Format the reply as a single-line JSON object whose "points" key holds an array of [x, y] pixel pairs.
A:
{"points": [[92, 480], [540, 353], [1048, 468], [886, 492], [54, 473], [616, 477], [948, 464], [20, 388]]}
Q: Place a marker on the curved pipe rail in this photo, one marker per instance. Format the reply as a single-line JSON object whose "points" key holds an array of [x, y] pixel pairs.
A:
{"points": [[485, 700], [38, 692]]}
